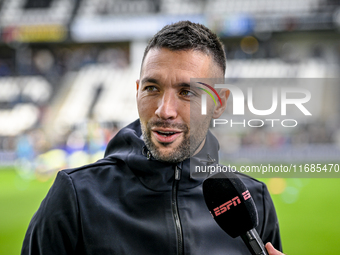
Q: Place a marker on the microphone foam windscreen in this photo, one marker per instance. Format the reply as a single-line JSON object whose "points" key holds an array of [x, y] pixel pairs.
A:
{"points": [[230, 203]]}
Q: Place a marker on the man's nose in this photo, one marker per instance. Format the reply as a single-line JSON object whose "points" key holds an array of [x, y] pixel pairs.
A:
{"points": [[167, 108]]}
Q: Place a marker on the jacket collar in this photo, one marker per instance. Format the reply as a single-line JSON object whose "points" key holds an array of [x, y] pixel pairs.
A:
{"points": [[129, 147]]}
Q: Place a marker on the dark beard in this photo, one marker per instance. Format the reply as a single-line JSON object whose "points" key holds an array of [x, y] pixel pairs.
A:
{"points": [[179, 154]]}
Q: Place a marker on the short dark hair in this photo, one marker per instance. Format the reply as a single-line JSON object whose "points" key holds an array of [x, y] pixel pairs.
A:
{"points": [[186, 35]]}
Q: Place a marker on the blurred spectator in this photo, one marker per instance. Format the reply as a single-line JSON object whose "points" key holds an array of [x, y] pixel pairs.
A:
{"points": [[43, 61], [4, 69], [115, 56]]}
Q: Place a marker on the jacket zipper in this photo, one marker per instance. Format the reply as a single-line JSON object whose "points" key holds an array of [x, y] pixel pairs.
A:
{"points": [[175, 213]]}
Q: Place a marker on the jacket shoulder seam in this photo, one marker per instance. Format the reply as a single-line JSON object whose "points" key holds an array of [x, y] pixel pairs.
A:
{"points": [[96, 164], [247, 176]]}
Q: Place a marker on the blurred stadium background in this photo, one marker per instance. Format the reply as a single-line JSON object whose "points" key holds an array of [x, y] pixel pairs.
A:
{"points": [[67, 85]]}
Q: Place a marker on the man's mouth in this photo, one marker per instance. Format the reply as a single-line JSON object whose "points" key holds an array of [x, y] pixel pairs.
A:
{"points": [[166, 136]]}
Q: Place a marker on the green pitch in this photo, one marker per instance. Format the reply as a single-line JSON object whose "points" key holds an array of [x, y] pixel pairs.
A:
{"points": [[308, 212], [19, 199]]}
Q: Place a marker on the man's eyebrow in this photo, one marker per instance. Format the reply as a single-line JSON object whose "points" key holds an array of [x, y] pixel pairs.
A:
{"points": [[150, 80], [155, 81], [183, 84]]}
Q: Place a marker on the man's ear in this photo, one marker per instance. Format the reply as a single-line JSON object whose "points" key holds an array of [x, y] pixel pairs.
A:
{"points": [[137, 87], [219, 109], [137, 84]]}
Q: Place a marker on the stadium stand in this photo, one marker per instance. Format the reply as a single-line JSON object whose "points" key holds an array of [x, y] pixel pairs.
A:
{"points": [[276, 68], [183, 7], [21, 12], [21, 103], [110, 105], [262, 6], [90, 8]]}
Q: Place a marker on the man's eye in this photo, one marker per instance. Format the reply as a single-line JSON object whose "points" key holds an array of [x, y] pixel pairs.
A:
{"points": [[186, 93], [150, 88]]}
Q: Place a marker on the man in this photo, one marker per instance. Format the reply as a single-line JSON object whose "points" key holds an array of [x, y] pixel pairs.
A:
{"points": [[140, 199]]}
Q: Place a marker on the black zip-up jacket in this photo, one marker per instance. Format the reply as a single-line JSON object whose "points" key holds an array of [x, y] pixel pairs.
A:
{"points": [[130, 203]]}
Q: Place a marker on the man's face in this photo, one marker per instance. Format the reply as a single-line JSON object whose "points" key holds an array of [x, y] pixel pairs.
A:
{"points": [[165, 101]]}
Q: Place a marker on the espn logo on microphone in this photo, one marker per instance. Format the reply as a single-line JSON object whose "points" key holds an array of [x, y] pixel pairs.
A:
{"points": [[227, 205]]}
